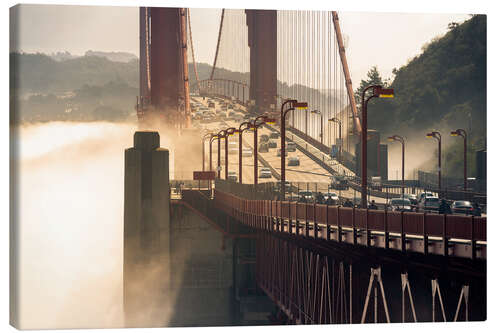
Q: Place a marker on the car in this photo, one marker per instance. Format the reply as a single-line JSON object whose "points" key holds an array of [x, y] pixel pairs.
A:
{"points": [[265, 173], [400, 205], [288, 186], [263, 148], [293, 197], [231, 175], [425, 195], [278, 152], [307, 195], [338, 183], [429, 204], [211, 104], [272, 144], [264, 138], [332, 196], [291, 146], [462, 207], [230, 106], [274, 135], [376, 183], [293, 161], [206, 119], [245, 152], [412, 198]]}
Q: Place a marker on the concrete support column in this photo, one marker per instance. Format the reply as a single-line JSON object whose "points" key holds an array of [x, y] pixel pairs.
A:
{"points": [[146, 242]]}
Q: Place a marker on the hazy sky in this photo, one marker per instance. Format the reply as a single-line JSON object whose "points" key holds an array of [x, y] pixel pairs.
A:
{"points": [[77, 29]]}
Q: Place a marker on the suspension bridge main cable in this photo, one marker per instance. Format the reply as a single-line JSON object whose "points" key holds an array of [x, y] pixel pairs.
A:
{"points": [[218, 44], [192, 49]]}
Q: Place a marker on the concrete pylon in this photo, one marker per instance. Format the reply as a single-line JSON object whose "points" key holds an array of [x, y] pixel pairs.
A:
{"points": [[146, 242]]}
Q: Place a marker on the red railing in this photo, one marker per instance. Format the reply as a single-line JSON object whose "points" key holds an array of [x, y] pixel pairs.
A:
{"points": [[332, 222]]}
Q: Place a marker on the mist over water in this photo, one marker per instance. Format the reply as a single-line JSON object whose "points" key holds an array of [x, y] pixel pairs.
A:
{"points": [[71, 224]]}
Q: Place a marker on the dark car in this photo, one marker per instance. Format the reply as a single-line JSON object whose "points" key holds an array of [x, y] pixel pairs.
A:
{"points": [[291, 146], [272, 144], [429, 204], [211, 105], [462, 207], [400, 205], [288, 186], [231, 175], [293, 161], [264, 138], [274, 135], [263, 148], [338, 183]]}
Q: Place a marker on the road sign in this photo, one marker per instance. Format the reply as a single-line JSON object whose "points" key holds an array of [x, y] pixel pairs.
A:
{"points": [[203, 175]]}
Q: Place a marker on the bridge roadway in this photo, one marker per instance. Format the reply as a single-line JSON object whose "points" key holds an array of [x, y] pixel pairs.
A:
{"points": [[309, 174]]}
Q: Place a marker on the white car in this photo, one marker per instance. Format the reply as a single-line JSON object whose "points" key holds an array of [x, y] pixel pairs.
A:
{"points": [[332, 195], [246, 152], [265, 173]]}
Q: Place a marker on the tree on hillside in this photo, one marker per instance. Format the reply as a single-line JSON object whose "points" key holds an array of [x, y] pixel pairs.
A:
{"points": [[373, 77]]}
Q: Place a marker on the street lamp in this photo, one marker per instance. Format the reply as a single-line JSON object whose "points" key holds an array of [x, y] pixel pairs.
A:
{"points": [[437, 136], [255, 126], [229, 132], [214, 136], [463, 134], [321, 128], [240, 154], [402, 140], [377, 91], [220, 135], [337, 120], [293, 105], [206, 136]]}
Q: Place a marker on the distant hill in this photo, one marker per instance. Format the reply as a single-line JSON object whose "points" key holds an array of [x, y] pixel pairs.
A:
{"points": [[113, 56], [39, 73]]}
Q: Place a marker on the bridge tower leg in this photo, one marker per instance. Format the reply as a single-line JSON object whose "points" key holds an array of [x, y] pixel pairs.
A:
{"points": [[164, 62], [146, 238], [262, 40]]}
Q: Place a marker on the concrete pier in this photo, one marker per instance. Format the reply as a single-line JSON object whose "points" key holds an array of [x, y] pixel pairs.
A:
{"points": [[146, 268]]}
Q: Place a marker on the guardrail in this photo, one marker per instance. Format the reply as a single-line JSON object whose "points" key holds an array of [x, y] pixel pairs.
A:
{"points": [[427, 233]]}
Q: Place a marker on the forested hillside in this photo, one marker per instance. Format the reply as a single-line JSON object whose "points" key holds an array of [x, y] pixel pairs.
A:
{"points": [[443, 88]]}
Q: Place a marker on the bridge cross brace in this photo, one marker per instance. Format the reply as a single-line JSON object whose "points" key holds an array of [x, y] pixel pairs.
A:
{"points": [[405, 284], [375, 273]]}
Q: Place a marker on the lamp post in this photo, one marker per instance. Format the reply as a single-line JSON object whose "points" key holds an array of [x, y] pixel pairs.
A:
{"points": [[206, 136], [220, 135], [437, 136], [240, 148], [255, 126], [402, 140], [229, 132], [377, 91], [214, 136], [337, 120], [321, 127], [463, 134], [293, 105]]}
